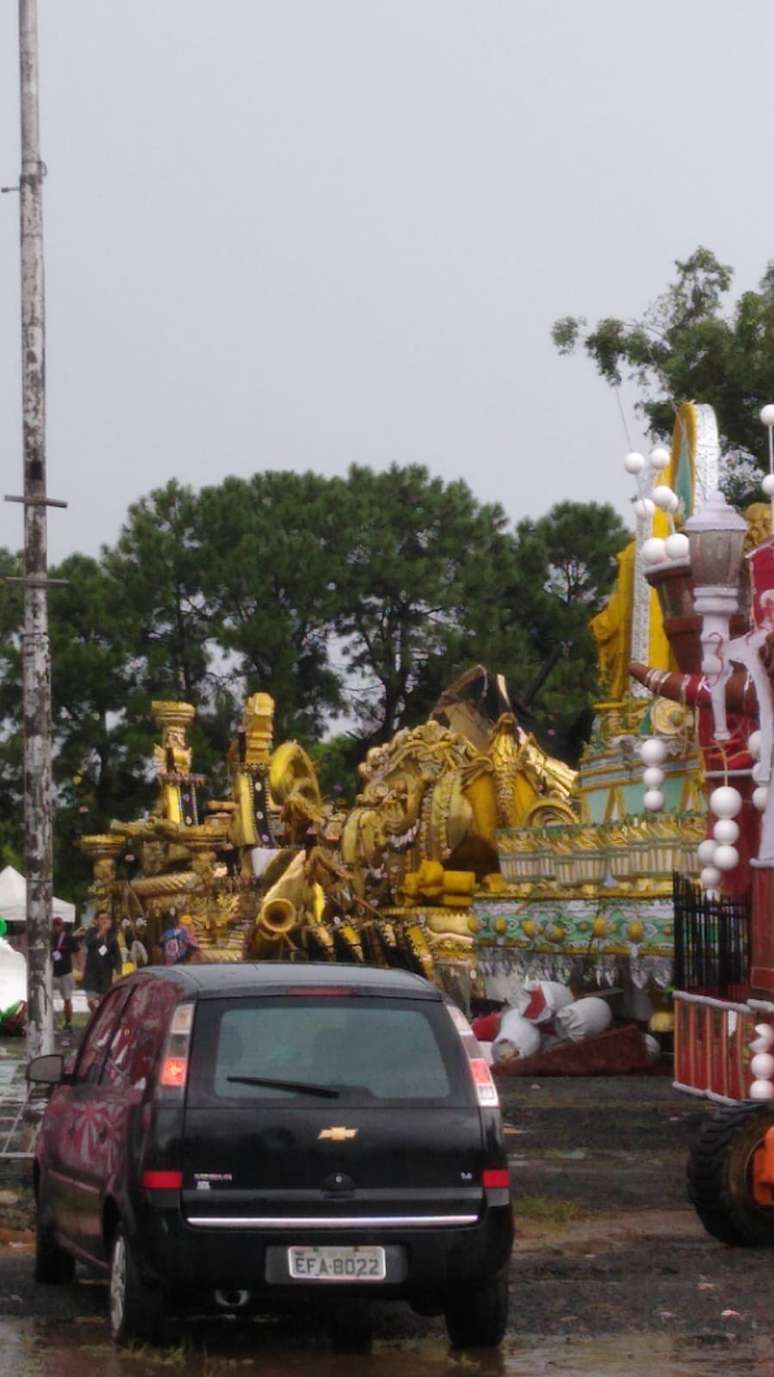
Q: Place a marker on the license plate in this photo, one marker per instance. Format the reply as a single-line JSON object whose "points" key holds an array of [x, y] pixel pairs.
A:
{"points": [[337, 1264]]}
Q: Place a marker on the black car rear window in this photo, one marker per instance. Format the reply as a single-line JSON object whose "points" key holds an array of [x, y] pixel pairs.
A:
{"points": [[369, 1050]]}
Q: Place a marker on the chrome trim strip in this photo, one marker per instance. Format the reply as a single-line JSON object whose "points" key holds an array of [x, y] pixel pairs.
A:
{"points": [[388, 1221], [74, 1182]]}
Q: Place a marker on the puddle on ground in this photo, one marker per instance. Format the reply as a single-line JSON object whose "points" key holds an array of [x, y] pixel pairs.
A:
{"points": [[272, 1349]]}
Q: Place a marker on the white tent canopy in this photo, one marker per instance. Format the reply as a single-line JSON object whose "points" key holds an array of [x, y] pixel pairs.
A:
{"points": [[13, 899]]}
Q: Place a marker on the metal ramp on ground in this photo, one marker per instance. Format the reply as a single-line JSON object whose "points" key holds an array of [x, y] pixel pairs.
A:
{"points": [[21, 1110]]}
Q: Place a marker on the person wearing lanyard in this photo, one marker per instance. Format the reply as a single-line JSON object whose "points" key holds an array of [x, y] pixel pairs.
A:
{"points": [[103, 959], [63, 948]]}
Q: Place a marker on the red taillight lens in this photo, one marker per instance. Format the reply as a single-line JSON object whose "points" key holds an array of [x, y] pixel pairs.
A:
{"points": [[496, 1178], [486, 1091], [174, 1071], [482, 1079], [162, 1180]]}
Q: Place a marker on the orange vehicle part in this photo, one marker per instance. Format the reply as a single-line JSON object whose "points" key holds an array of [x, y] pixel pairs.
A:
{"points": [[763, 1171]]}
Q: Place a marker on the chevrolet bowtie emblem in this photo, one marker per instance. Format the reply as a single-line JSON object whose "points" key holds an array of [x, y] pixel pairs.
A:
{"points": [[338, 1134]]}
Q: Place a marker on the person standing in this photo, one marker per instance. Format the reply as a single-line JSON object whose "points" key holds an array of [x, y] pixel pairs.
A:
{"points": [[63, 948], [103, 959]]}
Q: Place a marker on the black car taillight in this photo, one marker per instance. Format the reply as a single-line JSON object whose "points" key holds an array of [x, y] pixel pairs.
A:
{"points": [[173, 1069], [486, 1090], [496, 1178], [162, 1180]]}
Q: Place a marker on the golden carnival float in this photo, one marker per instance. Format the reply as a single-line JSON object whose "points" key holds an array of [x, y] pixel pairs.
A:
{"points": [[471, 854]]}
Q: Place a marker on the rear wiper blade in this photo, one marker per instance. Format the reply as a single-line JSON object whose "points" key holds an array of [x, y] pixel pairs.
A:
{"points": [[326, 1092]]}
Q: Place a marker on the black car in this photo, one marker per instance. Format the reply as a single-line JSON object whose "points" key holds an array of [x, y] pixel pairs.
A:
{"points": [[242, 1135]]}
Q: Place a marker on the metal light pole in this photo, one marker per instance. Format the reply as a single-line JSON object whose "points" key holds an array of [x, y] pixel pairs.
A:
{"points": [[36, 661]]}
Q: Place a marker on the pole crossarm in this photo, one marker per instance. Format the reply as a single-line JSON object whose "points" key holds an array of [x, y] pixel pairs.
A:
{"points": [[31, 581], [36, 501]]}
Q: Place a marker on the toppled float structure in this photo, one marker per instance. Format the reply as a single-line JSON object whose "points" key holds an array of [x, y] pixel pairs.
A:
{"points": [[272, 871]]}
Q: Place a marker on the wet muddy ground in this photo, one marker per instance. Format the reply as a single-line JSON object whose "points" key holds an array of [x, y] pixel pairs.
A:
{"points": [[612, 1273]]}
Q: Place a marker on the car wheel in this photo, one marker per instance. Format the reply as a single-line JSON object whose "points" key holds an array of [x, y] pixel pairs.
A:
{"points": [[350, 1327], [720, 1169], [136, 1311], [478, 1319], [53, 1266]]}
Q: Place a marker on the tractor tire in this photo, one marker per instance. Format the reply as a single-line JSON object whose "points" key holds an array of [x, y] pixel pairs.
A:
{"points": [[720, 1175]]}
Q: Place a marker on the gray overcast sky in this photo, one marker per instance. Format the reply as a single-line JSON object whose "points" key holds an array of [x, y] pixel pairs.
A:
{"points": [[298, 233]]}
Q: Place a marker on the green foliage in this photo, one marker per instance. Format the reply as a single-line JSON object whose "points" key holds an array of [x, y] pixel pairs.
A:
{"points": [[691, 344], [156, 569], [337, 759], [403, 585], [358, 597], [564, 567], [270, 546]]}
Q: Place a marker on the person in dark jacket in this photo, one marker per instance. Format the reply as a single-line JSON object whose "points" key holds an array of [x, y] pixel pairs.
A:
{"points": [[64, 947], [103, 959]]}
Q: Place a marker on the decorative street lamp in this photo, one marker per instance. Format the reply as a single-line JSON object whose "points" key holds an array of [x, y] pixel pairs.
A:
{"points": [[716, 534]]}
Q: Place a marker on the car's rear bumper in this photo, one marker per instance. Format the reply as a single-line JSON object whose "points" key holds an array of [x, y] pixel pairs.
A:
{"points": [[427, 1258]]}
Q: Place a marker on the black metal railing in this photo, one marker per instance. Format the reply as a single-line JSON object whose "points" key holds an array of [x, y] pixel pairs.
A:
{"points": [[712, 942]]}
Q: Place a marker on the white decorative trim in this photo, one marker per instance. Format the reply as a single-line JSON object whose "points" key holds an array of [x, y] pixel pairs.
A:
{"points": [[706, 460]]}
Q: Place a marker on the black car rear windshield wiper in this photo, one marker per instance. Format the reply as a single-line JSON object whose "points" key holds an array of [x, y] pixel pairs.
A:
{"points": [[326, 1092]]}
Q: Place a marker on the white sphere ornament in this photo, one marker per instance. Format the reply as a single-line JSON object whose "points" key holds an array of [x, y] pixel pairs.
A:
{"points": [[653, 800], [762, 1066], [762, 1090], [678, 546], [726, 801], [653, 777], [706, 851], [644, 506], [664, 498], [768, 485], [654, 550], [767, 414], [726, 831], [660, 458], [754, 744], [726, 858], [710, 877], [765, 1034], [760, 797], [634, 462], [653, 751]]}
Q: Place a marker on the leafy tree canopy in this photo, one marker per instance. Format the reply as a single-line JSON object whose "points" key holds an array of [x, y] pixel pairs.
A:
{"points": [[693, 343], [353, 601]]}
